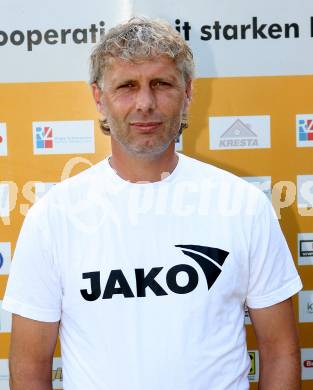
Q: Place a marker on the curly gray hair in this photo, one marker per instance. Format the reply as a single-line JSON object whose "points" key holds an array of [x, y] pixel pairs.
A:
{"points": [[136, 39]]}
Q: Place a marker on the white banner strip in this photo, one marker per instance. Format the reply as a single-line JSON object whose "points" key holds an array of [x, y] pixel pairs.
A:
{"points": [[229, 38]]}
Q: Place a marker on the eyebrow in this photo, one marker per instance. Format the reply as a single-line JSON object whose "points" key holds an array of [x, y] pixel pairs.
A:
{"points": [[119, 82], [169, 79]]}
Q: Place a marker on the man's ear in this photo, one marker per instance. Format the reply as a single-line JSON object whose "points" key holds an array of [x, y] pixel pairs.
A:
{"points": [[97, 93]]}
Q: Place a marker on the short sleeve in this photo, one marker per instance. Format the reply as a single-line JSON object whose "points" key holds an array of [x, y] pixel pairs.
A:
{"points": [[272, 274], [34, 288]]}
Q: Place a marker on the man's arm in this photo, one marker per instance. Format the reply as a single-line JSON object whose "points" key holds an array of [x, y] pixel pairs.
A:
{"points": [[31, 353], [277, 339]]}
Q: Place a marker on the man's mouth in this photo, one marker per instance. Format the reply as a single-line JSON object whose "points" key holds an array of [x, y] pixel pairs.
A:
{"points": [[145, 126]]}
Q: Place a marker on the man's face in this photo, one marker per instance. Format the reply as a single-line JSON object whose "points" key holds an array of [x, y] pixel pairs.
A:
{"points": [[143, 103]]}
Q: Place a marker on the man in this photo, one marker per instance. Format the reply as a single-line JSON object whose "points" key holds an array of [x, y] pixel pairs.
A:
{"points": [[139, 260]]}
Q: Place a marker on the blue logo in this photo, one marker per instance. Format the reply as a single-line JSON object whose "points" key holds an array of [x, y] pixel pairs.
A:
{"points": [[1, 260], [305, 128], [44, 137]]}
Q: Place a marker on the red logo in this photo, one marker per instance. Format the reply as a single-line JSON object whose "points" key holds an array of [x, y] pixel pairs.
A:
{"points": [[1, 139], [48, 137], [308, 363]]}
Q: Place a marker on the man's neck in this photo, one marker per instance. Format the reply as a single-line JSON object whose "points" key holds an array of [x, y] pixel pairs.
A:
{"points": [[139, 169]]}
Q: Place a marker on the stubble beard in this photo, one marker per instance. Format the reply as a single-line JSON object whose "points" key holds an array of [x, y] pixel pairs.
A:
{"points": [[153, 146]]}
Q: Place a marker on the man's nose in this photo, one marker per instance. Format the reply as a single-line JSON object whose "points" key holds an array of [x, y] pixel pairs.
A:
{"points": [[145, 99]]}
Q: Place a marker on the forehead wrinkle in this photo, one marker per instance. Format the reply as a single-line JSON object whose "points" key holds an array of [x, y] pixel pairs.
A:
{"points": [[135, 73]]}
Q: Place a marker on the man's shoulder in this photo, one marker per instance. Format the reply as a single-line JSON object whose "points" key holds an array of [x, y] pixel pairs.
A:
{"points": [[231, 194], [82, 179], [206, 175], [70, 190], [200, 169]]}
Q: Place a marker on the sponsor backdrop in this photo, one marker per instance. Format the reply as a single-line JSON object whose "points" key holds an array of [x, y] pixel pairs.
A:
{"points": [[252, 114]]}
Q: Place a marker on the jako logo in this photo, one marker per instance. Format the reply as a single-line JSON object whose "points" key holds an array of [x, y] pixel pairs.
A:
{"points": [[209, 259], [44, 137]]}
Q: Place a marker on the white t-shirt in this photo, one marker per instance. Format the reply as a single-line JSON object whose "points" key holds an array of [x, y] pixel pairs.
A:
{"points": [[150, 280]]}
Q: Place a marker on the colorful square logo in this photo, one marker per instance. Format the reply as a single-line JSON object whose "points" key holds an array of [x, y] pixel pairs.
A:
{"points": [[304, 125], [305, 128], [44, 137], [63, 137]]}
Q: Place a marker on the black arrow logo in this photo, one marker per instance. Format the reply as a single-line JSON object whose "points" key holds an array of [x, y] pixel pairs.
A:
{"points": [[210, 270]]}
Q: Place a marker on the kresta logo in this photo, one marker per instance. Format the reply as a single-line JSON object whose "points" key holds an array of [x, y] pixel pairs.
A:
{"points": [[310, 307], [209, 259]]}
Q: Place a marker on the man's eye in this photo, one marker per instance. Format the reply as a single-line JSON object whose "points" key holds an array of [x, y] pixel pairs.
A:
{"points": [[161, 83], [127, 85]]}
